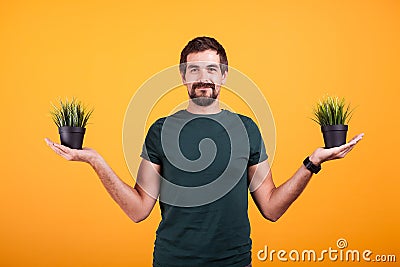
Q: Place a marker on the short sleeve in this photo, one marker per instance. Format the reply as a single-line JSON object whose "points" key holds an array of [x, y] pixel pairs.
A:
{"points": [[152, 144], [257, 148]]}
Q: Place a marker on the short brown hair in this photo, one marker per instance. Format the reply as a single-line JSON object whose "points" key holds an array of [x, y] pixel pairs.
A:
{"points": [[200, 44]]}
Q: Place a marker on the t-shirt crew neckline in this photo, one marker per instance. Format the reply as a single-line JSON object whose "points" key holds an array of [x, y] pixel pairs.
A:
{"points": [[222, 112]]}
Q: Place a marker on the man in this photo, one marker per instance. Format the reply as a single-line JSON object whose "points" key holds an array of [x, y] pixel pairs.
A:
{"points": [[204, 225]]}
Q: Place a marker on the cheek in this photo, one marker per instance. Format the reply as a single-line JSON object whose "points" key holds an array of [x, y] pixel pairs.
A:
{"points": [[217, 79], [189, 88], [190, 78]]}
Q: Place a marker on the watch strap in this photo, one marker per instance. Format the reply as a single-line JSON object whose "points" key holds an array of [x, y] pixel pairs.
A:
{"points": [[311, 166]]}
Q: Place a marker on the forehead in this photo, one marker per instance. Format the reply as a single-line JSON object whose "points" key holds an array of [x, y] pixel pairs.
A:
{"points": [[205, 56]]}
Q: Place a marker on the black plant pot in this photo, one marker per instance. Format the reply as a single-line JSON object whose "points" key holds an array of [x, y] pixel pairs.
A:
{"points": [[72, 137], [334, 135]]}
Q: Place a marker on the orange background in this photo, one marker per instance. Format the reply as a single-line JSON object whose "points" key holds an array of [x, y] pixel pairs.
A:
{"points": [[56, 213]]}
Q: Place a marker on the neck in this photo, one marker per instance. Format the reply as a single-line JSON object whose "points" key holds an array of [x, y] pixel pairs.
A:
{"points": [[211, 109]]}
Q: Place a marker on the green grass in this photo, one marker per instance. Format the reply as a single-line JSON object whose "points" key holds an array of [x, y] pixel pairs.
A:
{"points": [[332, 111], [70, 113]]}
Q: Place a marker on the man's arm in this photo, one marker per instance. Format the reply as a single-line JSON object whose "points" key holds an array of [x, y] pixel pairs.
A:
{"points": [[273, 201], [136, 202]]}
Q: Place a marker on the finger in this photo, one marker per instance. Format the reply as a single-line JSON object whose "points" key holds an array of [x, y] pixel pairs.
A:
{"points": [[51, 143], [58, 151], [63, 154], [350, 149], [357, 138], [339, 152], [341, 148], [63, 148], [68, 153], [351, 143], [344, 153], [55, 148], [48, 141]]}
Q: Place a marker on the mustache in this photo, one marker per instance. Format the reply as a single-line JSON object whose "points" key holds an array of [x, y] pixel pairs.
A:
{"points": [[203, 85]]}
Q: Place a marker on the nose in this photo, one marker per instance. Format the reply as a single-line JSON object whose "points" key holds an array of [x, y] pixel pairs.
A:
{"points": [[204, 76]]}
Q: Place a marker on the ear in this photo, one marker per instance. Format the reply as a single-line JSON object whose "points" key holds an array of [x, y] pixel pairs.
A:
{"points": [[224, 77], [183, 78]]}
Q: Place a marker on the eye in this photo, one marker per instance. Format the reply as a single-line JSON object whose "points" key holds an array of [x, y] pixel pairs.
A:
{"points": [[194, 70], [212, 69]]}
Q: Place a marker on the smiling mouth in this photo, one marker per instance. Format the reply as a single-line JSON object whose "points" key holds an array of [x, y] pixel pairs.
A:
{"points": [[203, 86]]}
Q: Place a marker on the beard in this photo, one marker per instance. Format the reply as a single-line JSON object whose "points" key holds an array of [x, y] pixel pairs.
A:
{"points": [[202, 99]]}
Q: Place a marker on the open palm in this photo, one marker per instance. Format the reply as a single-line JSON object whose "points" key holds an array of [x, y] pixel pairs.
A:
{"points": [[323, 154], [84, 155]]}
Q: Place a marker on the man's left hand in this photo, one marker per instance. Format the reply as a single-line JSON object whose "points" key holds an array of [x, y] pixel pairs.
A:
{"points": [[321, 155]]}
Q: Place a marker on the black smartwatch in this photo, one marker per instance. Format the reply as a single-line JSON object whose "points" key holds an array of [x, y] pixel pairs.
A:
{"points": [[310, 166]]}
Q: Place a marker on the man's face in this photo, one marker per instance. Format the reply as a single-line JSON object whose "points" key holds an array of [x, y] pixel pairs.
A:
{"points": [[203, 77]]}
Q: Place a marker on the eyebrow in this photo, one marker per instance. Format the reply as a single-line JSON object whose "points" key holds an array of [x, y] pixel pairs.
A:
{"points": [[193, 66], [212, 65]]}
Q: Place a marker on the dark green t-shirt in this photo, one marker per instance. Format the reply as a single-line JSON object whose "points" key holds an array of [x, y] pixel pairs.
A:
{"points": [[203, 190]]}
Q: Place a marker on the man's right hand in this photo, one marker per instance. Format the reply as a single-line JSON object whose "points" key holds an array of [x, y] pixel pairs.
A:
{"points": [[85, 155], [136, 202]]}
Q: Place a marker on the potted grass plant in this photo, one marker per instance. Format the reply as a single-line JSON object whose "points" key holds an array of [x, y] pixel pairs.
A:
{"points": [[71, 118], [333, 115]]}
